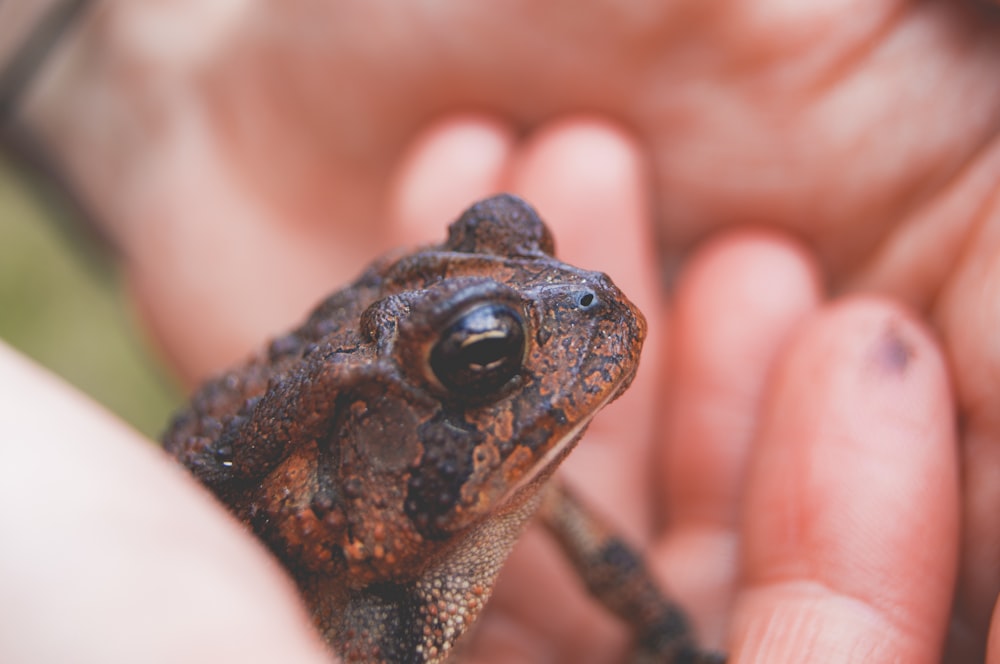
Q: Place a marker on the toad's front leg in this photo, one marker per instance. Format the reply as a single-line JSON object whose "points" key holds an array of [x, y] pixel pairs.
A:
{"points": [[615, 574]]}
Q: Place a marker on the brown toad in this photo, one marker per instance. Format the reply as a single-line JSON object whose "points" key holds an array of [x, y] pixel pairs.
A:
{"points": [[390, 450]]}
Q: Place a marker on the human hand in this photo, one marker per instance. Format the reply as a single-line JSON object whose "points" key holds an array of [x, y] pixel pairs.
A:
{"points": [[816, 122], [786, 485]]}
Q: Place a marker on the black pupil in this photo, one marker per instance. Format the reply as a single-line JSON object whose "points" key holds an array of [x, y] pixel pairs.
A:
{"points": [[480, 351]]}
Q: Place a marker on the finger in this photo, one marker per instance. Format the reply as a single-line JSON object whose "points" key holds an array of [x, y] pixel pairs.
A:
{"points": [[736, 303], [968, 316], [851, 514], [449, 166], [587, 180], [132, 561]]}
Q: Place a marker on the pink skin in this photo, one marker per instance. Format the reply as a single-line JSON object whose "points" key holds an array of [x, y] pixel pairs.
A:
{"points": [[824, 178]]}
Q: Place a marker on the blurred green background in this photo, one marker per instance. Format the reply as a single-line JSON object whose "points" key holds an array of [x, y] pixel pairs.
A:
{"points": [[61, 304]]}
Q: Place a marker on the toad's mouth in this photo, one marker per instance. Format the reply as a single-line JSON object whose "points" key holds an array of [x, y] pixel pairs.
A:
{"points": [[547, 463]]}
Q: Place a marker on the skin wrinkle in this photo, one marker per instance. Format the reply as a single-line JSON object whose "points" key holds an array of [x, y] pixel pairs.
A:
{"points": [[822, 592], [867, 156], [854, 59], [805, 634], [863, 609]]}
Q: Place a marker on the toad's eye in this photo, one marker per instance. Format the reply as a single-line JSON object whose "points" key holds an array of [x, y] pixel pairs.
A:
{"points": [[480, 351]]}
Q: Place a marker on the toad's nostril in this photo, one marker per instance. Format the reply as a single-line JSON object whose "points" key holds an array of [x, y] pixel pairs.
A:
{"points": [[586, 300]]}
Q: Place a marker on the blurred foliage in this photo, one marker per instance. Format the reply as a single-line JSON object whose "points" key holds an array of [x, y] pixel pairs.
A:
{"points": [[66, 310]]}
